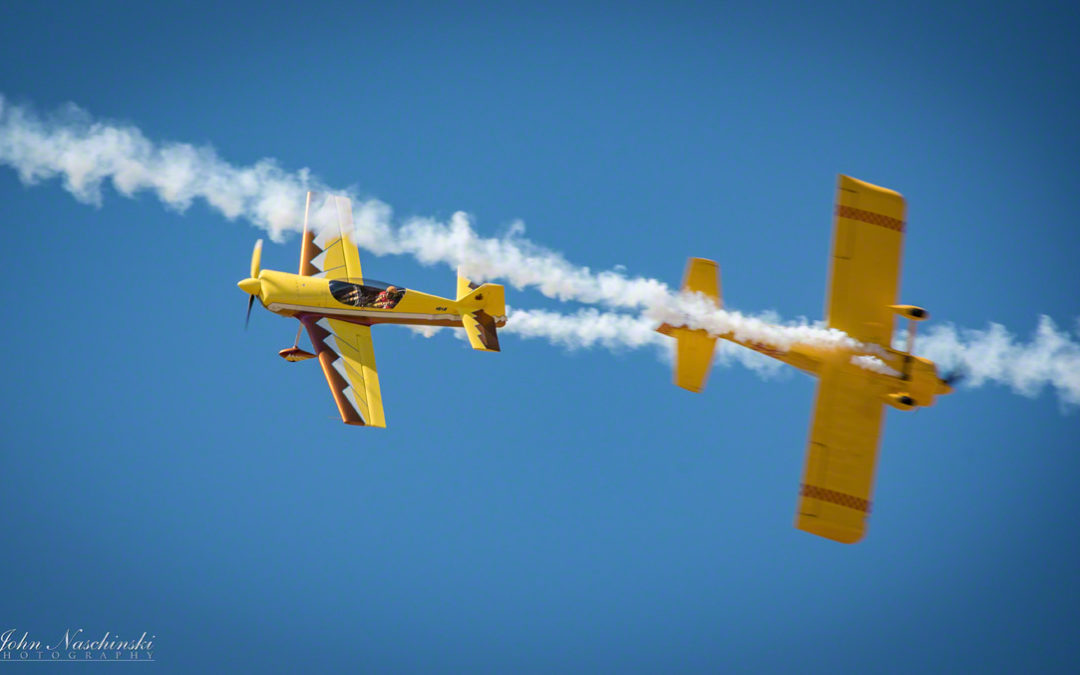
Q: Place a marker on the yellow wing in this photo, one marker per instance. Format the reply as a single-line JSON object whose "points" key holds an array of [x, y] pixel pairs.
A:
{"points": [[867, 242], [348, 360], [838, 480], [328, 249]]}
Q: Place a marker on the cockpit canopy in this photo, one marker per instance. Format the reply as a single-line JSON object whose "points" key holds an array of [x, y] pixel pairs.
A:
{"points": [[368, 293]]}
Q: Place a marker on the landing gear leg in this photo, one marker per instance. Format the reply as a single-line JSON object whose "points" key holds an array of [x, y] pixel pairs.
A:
{"points": [[294, 353]]}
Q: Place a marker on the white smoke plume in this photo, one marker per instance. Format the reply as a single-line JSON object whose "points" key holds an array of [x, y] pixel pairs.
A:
{"points": [[1051, 358], [874, 364], [613, 331], [85, 154]]}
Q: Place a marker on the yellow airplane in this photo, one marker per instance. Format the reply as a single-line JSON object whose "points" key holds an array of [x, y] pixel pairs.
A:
{"points": [[338, 306], [834, 498]]}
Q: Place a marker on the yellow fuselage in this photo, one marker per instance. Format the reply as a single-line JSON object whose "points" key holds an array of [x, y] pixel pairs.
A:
{"points": [[917, 379], [294, 294]]}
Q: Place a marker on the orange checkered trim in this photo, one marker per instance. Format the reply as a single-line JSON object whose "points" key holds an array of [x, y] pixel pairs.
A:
{"points": [[765, 349], [870, 217], [834, 497]]}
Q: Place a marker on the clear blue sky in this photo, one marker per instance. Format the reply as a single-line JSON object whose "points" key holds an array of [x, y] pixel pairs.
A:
{"points": [[538, 510]]}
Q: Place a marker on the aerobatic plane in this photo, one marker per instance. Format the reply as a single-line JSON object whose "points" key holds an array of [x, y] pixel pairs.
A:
{"points": [[855, 383], [337, 305]]}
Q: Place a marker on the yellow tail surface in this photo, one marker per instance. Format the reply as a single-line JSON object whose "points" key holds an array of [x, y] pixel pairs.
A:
{"points": [[482, 307], [694, 348]]}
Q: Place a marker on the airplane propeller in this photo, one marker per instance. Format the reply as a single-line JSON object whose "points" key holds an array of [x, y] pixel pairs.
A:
{"points": [[256, 259], [956, 376], [952, 378]]}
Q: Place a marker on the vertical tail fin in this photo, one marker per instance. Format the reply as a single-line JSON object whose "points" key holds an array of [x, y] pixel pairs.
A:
{"points": [[694, 348], [464, 286], [482, 307]]}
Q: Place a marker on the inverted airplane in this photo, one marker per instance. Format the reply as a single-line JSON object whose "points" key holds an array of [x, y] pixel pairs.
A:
{"points": [[337, 305], [845, 432]]}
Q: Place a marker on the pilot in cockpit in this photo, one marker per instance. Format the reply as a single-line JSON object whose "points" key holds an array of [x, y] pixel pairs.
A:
{"points": [[387, 299]]}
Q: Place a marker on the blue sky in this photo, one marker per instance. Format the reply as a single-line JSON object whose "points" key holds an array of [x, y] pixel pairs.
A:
{"points": [[538, 509]]}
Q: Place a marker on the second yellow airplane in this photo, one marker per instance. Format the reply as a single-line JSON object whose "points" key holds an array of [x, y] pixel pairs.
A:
{"points": [[338, 306], [855, 381]]}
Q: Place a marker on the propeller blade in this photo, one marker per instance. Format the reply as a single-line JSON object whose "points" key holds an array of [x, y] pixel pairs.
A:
{"points": [[956, 376], [256, 258], [247, 319]]}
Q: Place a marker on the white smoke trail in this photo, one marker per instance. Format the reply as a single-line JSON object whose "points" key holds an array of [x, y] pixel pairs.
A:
{"points": [[585, 329], [695, 310], [588, 328], [874, 364], [512, 258], [86, 154], [1051, 358]]}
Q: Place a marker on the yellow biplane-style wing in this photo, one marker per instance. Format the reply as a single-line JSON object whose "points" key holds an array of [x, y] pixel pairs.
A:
{"points": [[328, 249], [844, 436], [838, 480], [348, 360], [865, 276]]}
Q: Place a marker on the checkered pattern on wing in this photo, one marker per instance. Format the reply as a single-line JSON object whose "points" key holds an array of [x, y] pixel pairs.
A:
{"points": [[834, 497], [869, 217]]}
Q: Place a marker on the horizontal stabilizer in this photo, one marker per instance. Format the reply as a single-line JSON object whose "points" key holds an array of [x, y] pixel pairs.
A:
{"points": [[693, 358], [703, 276], [694, 347], [480, 327]]}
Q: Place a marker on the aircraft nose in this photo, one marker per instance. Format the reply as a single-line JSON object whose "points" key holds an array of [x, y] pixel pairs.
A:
{"points": [[251, 286]]}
